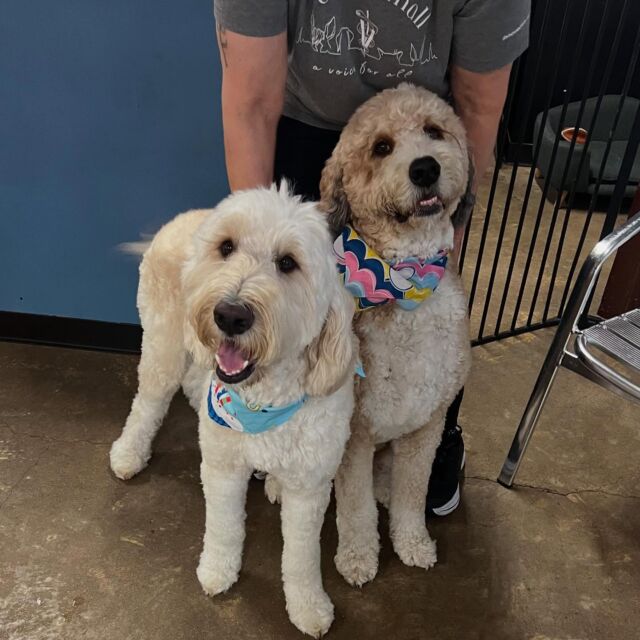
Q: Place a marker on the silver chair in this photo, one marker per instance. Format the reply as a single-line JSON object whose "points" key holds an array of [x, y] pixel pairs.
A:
{"points": [[618, 337]]}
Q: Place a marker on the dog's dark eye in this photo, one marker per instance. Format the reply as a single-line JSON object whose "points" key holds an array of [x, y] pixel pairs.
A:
{"points": [[382, 147], [433, 132], [226, 248], [286, 264]]}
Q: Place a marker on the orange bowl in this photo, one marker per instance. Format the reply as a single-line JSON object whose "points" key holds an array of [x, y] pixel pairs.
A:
{"points": [[571, 132]]}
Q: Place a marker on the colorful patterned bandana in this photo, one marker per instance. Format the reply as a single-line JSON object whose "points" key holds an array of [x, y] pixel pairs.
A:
{"points": [[373, 281]]}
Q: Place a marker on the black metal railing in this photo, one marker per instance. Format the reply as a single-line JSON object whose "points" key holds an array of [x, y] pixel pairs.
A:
{"points": [[551, 197]]}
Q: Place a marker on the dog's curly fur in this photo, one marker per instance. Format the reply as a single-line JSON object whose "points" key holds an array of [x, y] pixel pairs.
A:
{"points": [[415, 361], [300, 343]]}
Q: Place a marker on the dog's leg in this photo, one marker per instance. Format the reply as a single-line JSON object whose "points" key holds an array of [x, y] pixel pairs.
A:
{"points": [[308, 606], [160, 371], [413, 457], [382, 462], [193, 384], [272, 489], [225, 493], [357, 513]]}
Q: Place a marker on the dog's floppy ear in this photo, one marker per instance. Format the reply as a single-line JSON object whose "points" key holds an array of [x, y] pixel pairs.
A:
{"points": [[461, 215], [333, 198], [331, 357]]}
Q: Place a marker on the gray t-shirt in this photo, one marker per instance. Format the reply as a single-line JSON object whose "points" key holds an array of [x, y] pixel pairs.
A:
{"points": [[341, 52]]}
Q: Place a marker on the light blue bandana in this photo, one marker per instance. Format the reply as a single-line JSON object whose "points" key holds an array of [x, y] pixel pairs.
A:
{"points": [[227, 409]]}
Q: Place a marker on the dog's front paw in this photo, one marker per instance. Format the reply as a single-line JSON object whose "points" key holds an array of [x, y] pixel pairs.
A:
{"points": [[415, 549], [126, 461], [310, 611], [272, 489], [215, 579], [357, 563]]}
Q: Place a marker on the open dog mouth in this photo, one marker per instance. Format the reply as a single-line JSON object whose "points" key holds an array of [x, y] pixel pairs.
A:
{"points": [[233, 365], [429, 206]]}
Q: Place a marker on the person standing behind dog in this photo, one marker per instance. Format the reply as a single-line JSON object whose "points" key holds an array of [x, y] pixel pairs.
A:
{"points": [[294, 71]]}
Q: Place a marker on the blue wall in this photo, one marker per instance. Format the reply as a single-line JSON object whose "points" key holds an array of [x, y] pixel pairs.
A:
{"points": [[109, 126]]}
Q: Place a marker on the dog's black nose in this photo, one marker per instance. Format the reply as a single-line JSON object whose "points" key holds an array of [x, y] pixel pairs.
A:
{"points": [[233, 318], [424, 171]]}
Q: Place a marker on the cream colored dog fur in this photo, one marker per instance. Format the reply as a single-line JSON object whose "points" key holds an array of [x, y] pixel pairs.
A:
{"points": [[301, 343], [415, 361]]}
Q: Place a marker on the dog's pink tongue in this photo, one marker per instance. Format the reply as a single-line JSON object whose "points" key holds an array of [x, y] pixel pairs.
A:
{"points": [[230, 358]]}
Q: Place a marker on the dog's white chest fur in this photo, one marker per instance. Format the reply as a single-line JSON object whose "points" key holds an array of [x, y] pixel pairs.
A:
{"points": [[306, 448], [415, 361]]}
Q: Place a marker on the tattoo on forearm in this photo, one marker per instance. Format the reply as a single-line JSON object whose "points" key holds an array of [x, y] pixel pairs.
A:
{"points": [[222, 40]]}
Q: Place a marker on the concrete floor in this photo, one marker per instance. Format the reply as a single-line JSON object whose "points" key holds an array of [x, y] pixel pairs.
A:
{"points": [[83, 555]]}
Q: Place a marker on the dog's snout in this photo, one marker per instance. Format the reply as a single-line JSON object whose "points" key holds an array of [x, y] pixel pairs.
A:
{"points": [[424, 171], [233, 318]]}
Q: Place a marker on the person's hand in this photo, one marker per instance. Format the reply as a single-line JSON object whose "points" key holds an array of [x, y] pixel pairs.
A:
{"points": [[478, 99], [458, 237]]}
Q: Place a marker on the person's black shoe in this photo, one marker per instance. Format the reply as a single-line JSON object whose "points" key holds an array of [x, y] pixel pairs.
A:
{"points": [[443, 495]]}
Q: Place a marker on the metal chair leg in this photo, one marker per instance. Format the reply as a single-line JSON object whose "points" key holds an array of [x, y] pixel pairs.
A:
{"points": [[528, 422], [536, 401]]}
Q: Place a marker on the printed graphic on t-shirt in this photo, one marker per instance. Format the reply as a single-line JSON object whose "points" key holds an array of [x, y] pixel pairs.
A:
{"points": [[357, 47]]}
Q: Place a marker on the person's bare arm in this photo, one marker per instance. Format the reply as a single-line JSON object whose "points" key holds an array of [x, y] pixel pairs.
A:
{"points": [[254, 72], [479, 99]]}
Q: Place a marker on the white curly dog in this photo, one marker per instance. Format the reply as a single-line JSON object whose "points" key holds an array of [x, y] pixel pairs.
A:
{"points": [[243, 303], [398, 175]]}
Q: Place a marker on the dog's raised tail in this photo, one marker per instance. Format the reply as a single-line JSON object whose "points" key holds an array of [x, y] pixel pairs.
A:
{"points": [[137, 248]]}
